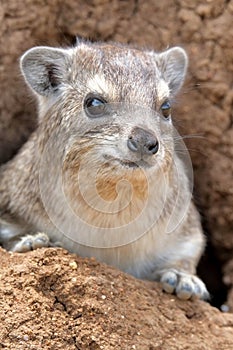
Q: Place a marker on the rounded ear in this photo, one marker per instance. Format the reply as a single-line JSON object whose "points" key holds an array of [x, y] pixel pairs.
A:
{"points": [[173, 65], [45, 68]]}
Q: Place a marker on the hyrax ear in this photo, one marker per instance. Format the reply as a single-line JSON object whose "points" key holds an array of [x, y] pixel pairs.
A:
{"points": [[45, 69], [173, 66]]}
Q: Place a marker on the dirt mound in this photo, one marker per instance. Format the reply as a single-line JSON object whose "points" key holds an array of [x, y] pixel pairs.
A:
{"points": [[54, 300]]}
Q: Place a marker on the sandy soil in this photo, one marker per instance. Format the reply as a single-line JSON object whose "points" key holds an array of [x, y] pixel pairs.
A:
{"points": [[50, 299]]}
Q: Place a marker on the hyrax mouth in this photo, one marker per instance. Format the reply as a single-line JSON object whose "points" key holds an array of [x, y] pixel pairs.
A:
{"points": [[129, 164], [126, 163]]}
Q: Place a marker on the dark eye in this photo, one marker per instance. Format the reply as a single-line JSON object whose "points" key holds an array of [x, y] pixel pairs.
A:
{"points": [[166, 109], [95, 106]]}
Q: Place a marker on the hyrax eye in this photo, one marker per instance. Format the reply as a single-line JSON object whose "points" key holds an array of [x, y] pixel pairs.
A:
{"points": [[94, 106], [166, 109]]}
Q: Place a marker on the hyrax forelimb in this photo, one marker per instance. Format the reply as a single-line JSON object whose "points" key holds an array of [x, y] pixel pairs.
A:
{"points": [[100, 175]]}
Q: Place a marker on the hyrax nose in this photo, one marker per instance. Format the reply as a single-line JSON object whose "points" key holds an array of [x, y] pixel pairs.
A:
{"points": [[143, 141]]}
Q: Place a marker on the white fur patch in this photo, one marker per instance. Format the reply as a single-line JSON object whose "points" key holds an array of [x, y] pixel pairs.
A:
{"points": [[98, 84], [163, 91]]}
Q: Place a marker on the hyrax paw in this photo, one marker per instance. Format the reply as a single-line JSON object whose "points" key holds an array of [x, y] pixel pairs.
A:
{"points": [[31, 242], [184, 285]]}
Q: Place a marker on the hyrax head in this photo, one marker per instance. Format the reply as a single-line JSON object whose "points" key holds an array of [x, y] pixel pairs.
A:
{"points": [[108, 102]]}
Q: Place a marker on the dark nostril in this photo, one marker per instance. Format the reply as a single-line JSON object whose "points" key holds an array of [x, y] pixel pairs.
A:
{"points": [[143, 141], [151, 147], [132, 144]]}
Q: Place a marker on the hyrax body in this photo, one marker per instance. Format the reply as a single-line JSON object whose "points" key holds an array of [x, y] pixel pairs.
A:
{"points": [[100, 176]]}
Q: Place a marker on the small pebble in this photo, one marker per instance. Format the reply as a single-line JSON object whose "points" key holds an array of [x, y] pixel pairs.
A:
{"points": [[73, 265]]}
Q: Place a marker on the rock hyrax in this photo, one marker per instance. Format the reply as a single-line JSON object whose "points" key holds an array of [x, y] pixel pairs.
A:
{"points": [[101, 176]]}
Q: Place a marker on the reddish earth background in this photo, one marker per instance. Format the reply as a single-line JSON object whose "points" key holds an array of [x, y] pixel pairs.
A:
{"points": [[46, 303]]}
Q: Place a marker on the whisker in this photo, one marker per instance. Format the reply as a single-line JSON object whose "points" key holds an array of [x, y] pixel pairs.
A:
{"points": [[183, 137], [190, 137], [191, 150]]}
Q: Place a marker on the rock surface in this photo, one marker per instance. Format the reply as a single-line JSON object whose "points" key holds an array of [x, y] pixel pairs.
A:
{"points": [[54, 300]]}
